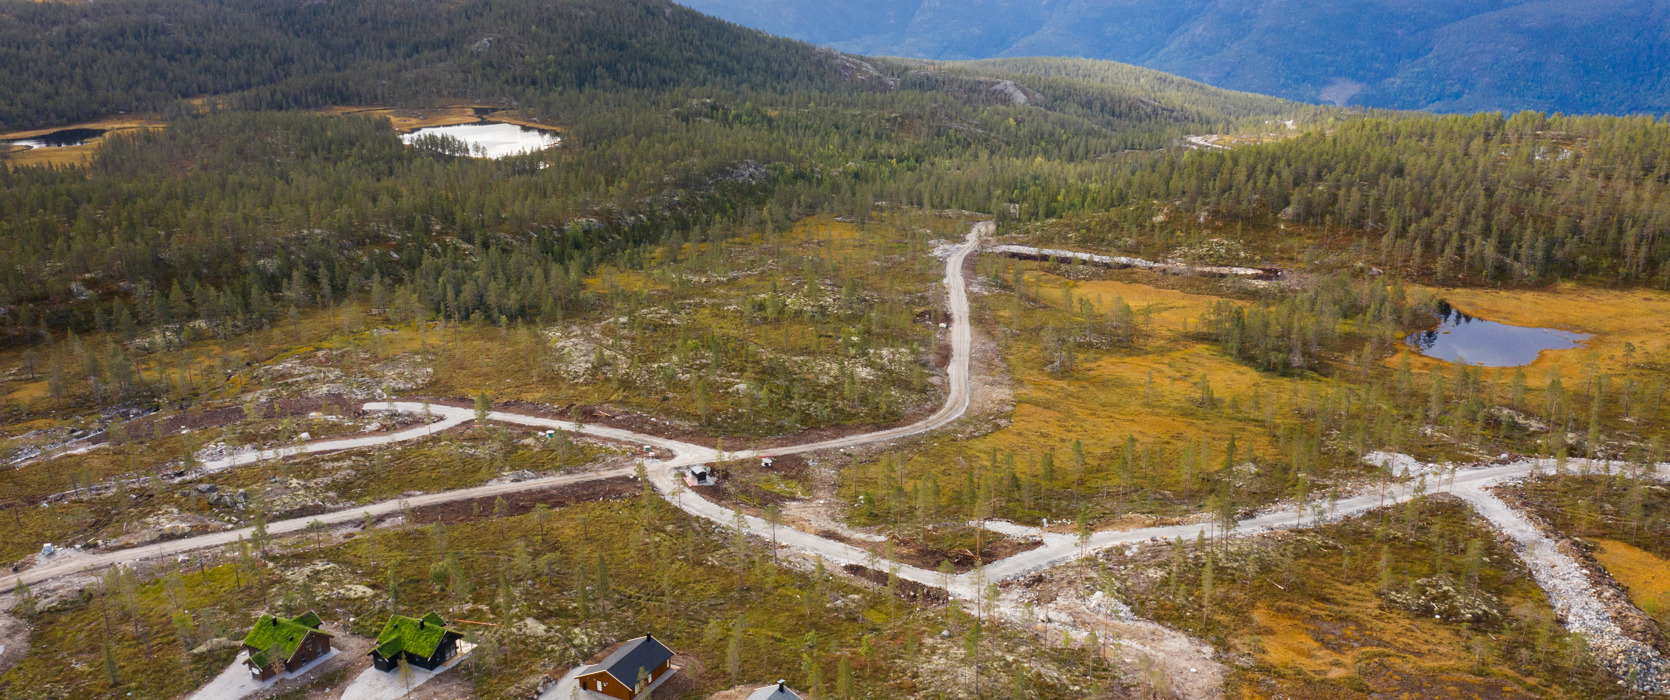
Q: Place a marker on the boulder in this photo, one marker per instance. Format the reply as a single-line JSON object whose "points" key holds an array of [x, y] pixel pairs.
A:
{"points": [[214, 645]]}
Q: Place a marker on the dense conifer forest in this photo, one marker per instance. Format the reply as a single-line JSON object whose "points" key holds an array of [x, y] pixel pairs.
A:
{"points": [[676, 127], [680, 127], [72, 61], [1471, 200]]}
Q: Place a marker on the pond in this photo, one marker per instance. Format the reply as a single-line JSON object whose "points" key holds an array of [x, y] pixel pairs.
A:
{"points": [[488, 140], [63, 138], [1464, 339]]}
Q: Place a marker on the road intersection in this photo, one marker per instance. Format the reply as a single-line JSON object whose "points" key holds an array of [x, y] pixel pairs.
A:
{"points": [[1470, 484]]}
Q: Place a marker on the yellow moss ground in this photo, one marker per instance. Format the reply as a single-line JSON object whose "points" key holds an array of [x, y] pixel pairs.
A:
{"points": [[25, 392], [1311, 622], [73, 155], [515, 118], [1646, 576], [1108, 399], [1110, 396], [1630, 326], [412, 119], [1111, 399], [1346, 639], [1163, 311], [1330, 634]]}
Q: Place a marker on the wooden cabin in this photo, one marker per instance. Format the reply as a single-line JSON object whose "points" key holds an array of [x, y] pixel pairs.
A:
{"points": [[277, 645], [425, 642], [629, 670]]}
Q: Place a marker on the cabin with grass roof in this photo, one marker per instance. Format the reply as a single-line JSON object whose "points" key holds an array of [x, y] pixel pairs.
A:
{"points": [[277, 645], [425, 642]]}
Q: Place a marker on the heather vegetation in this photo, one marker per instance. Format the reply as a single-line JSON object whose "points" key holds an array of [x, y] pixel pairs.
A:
{"points": [[739, 243], [1134, 399], [1309, 611], [1624, 520], [584, 576]]}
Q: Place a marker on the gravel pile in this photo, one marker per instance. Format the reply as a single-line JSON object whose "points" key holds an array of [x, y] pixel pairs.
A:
{"points": [[1574, 597]]}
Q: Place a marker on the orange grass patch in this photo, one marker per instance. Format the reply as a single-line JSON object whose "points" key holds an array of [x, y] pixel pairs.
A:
{"points": [[1628, 325], [1646, 575]]}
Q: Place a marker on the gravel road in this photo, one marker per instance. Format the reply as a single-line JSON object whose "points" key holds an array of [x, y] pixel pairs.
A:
{"points": [[1567, 587], [1574, 597], [684, 454]]}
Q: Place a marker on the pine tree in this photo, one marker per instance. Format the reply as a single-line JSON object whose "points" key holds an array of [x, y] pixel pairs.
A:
{"points": [[733, 652]]}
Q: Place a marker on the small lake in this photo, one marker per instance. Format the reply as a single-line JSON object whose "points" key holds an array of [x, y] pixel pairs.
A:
{"points": [[492, 140], [63, 138], [1464, 339]]}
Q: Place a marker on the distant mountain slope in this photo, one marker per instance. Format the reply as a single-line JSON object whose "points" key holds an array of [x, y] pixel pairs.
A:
{"points": [[70, 61], [1443, 55]]}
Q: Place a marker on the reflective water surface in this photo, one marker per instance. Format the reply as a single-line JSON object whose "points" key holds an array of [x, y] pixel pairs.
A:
{"points": [[62, 138], [492, 140], [1467, 340]]}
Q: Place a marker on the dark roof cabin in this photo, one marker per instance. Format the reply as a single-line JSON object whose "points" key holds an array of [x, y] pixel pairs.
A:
{"points": [[425, 642], [630, 669], [775, 692], [277, 645]]}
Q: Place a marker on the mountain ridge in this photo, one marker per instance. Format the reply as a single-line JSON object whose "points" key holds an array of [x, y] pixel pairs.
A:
{"points": [[1470, 55]]}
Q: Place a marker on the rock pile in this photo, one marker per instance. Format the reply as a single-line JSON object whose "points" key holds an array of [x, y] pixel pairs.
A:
{"points": [[236, 500], [1569, 589]]}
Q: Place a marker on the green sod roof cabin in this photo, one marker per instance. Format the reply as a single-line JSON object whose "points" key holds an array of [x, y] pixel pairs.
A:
{"points": [[277, 645], [425, 642]]}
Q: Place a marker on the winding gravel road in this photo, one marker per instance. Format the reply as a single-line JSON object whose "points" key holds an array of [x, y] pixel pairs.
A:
{"points": [[1553, 570], [662, 474]]}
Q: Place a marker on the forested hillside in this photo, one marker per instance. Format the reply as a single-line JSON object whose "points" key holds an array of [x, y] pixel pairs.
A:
{"points": [[1605, 56], [72, 61], [1456, 200], [683, 128], [675, 125]]}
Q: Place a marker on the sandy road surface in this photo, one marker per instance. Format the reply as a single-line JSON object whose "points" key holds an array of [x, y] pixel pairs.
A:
{"points": [[449, 420]]}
